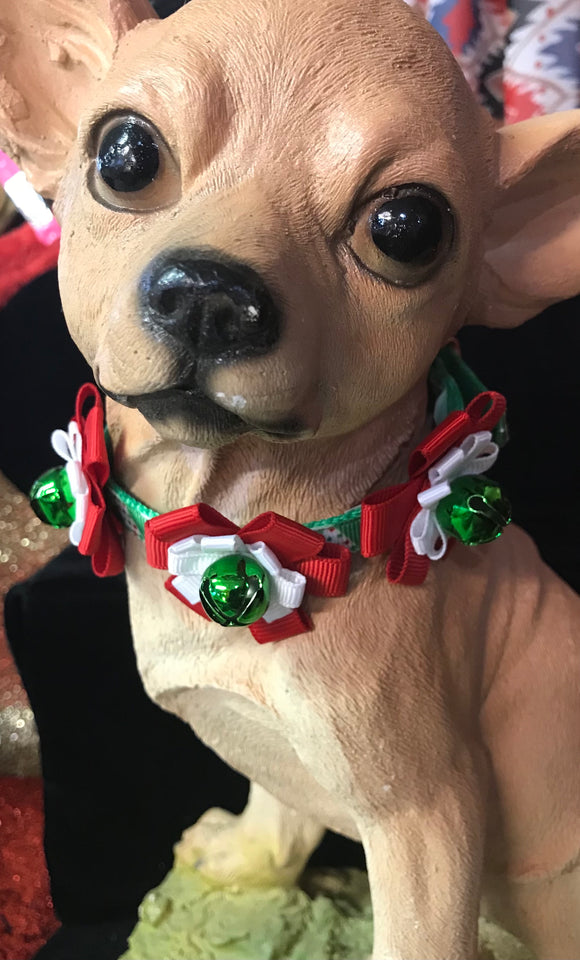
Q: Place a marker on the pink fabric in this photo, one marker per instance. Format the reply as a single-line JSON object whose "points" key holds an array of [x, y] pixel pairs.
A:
{"points": [[7, 167]]}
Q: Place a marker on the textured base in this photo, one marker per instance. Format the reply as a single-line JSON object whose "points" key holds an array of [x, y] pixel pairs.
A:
{"points": [[186, 918]]}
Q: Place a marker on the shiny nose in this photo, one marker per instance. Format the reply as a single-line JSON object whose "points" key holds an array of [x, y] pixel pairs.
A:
{"points": [[215, 308]]}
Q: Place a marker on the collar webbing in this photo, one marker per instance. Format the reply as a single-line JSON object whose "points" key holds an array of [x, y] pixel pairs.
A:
{"points": [[344, 529]]}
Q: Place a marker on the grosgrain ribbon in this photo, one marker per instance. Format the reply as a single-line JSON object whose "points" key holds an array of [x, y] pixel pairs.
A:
{"points": [[387, 515], [69, 445], [476, 454], [95, 531], [188, 560], [291, 550], [101, 538]]}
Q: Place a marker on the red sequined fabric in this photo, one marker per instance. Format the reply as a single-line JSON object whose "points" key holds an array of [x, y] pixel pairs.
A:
{"points": [[26, 916]]}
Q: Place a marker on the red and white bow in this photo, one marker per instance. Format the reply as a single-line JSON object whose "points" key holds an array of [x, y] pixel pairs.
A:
{"points": [[184, 542], [451, 450], [95, 530]]}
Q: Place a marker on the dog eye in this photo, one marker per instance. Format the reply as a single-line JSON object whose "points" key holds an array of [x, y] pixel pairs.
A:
{"points": [[133, 169], [128, 157], [405, 235]]}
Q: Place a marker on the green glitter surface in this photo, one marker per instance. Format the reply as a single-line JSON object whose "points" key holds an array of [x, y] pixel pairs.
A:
{"points": [[329, 918]]}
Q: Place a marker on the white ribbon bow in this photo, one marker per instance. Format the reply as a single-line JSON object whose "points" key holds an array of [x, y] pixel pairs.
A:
{"points": [[188, 560], [69, 446], [476, 454]]}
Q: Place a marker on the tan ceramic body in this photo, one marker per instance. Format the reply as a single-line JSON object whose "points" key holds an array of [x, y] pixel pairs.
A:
{"points": [[438, 724]]}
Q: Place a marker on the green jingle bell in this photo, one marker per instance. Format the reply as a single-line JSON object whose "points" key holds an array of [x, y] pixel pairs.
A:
{"points": [[51, 498], [475, 511], [235, 591]]}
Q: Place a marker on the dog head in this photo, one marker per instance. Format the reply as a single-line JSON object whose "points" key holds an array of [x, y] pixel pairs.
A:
{"points": [[275, 214]]}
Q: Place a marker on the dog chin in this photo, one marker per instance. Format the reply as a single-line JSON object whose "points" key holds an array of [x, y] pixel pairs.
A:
{"points": [[191, 418]]}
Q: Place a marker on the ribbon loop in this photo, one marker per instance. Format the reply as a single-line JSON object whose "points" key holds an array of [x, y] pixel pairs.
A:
{"points": [[183, 557], [185, 542], [432, 495], [447, 467], [476, 454], [68, 443], [401, 520], [185, 588], [289, 540], [289, 589], [228, 543], [427, 536], [265, 557], [167, 528], [76, 478], [189, 558], [384, 515], [485, 410], [83, 448], [291, 625]]}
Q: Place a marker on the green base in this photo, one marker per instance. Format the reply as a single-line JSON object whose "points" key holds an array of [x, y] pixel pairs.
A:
{"points": [[187, 918]]}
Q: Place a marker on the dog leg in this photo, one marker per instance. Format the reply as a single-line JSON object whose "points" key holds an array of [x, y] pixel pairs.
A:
{"points": [[267, 845], [425, 875], [543, 913]]}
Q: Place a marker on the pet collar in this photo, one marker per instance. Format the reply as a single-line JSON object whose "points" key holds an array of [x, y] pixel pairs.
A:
{"points": [[257, 575]]}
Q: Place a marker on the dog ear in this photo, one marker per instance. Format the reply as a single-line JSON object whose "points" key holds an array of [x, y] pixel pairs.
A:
{"points": [[52, 55], [532, 244]]}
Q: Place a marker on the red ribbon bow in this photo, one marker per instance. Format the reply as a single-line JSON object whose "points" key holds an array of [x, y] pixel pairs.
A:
{"points": [[326, 566], [387, 515], [101, 538]]}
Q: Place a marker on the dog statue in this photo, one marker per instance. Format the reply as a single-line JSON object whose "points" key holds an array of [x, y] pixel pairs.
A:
{"points": [[274, 215]]}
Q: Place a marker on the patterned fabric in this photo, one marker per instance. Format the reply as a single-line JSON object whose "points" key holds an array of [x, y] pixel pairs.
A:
{"points": [[335, 535], [521, 58]]}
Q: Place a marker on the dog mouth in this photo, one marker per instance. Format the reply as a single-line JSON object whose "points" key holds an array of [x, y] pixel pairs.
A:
{"points": [[201, 416]]}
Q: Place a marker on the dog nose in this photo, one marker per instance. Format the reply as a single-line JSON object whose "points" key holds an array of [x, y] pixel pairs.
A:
{"points": [[216, 308]]}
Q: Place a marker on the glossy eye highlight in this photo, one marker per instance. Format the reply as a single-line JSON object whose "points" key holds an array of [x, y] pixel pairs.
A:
{"points": [[405, 234], [133, 169], [128, 156]]}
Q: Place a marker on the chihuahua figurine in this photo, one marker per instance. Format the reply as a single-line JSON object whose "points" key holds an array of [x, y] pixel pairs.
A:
{"points": [[274, 215]]}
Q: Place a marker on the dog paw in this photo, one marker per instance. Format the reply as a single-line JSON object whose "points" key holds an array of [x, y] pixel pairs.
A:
{"points": [[225, 852]]}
